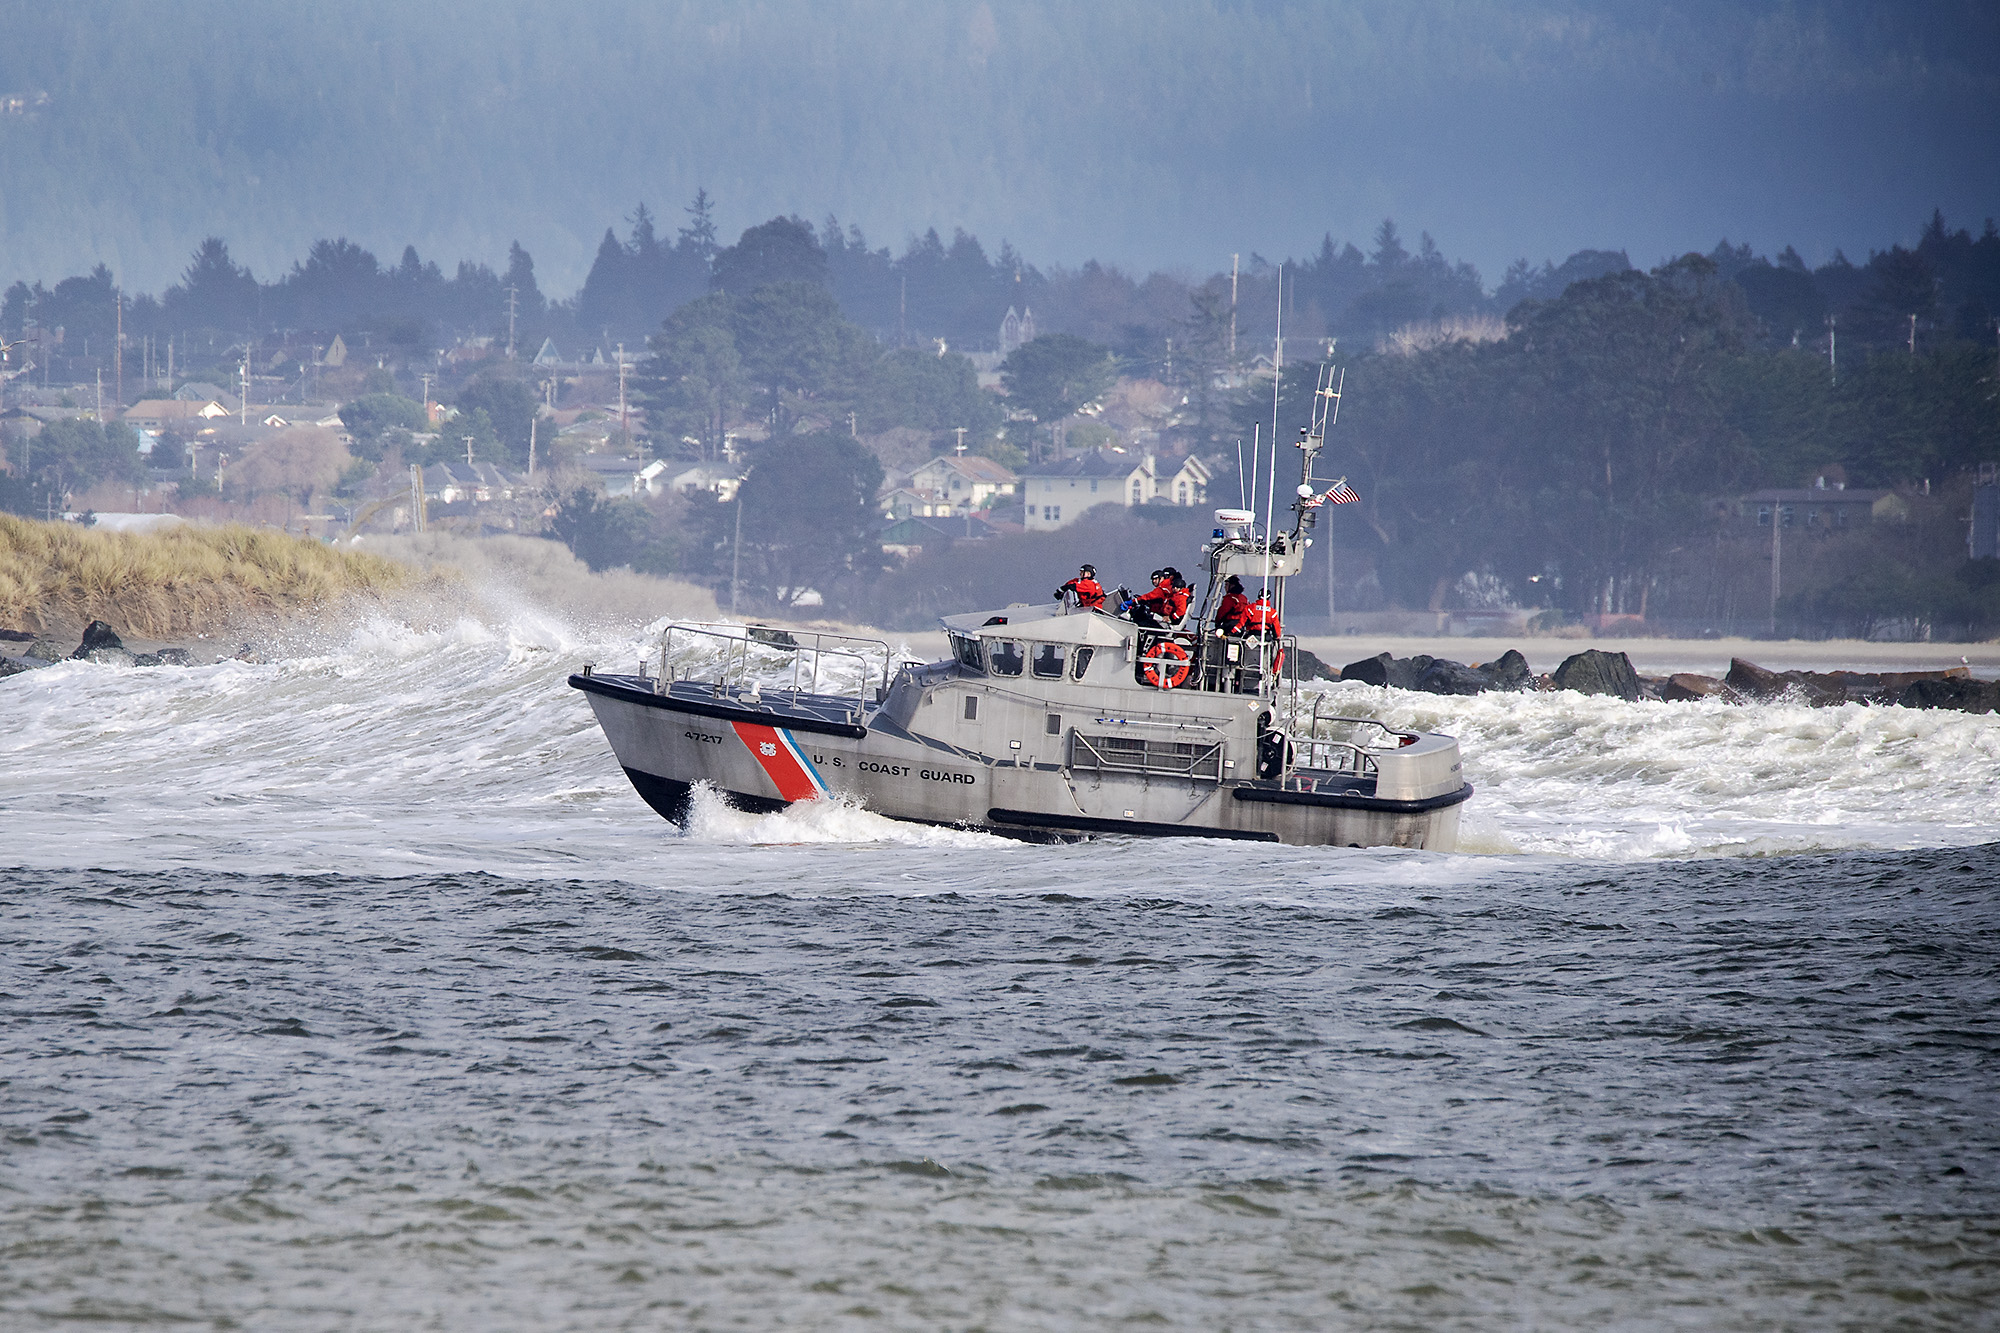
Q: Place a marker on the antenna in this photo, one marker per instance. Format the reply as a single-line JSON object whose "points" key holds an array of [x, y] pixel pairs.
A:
{"points": [[1277, 379], [1242, 500]]}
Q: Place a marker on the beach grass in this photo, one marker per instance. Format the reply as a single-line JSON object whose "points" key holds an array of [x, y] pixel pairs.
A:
{"points": [[167, 584]]}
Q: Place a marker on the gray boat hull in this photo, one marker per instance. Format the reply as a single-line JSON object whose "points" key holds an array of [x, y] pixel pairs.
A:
{"points": [[1066, 762]]}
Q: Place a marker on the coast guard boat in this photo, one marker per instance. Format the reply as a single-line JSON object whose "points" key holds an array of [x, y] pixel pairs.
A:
{"points": [[1046, 721]]}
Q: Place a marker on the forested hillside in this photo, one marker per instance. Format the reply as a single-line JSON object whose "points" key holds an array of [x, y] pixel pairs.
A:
{"points": [[1161, 132]]}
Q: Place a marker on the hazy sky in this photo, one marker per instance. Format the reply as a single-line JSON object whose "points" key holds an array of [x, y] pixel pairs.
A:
{"points": [[1141, 132]]}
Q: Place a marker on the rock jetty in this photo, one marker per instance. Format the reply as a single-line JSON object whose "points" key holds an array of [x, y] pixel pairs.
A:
{"points": [[23, 650], [1596, 672]]}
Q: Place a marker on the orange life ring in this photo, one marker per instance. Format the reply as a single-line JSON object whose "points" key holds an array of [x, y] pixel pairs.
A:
{"points": [[1158, 673]]}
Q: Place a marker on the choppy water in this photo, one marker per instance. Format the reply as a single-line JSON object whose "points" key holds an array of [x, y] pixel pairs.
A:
{"points": [[359, 991]]}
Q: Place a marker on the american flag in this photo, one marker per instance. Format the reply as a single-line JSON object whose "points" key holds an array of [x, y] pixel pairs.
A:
{"points": [[1340, 493]]}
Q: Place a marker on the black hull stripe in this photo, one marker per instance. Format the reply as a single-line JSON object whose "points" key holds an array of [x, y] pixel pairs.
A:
{"points": [[727, 712], [1138, 827], [1348, 801]]}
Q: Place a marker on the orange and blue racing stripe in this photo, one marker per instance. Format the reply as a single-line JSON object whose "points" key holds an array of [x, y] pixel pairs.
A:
{"points": [[783, 761]]}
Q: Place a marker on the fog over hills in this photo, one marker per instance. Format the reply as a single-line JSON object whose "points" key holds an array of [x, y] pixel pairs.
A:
{"points": [[1143, 132]]}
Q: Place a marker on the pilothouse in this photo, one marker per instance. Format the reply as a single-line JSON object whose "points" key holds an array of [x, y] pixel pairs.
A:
{"points": [[1050, 720]]}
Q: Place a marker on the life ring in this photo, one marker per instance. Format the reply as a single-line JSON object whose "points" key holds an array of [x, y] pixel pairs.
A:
{"points": [[1157, 671]]}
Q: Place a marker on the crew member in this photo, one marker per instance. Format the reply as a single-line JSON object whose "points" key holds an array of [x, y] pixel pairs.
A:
{"points": [[1262, 619], [1155, 607], [1229, 613], [1181, 594], [1089, 593]]}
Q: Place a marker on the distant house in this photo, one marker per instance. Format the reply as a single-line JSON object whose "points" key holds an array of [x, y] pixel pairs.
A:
{"points": [[1820, 508], [898, 502], [705, 479], [967, 480], [1055, 495], [908, 536], [1188, 485], [165, 413], [548, 355], [1016, 329], [200, 391], [476, 483], [627, 476]]}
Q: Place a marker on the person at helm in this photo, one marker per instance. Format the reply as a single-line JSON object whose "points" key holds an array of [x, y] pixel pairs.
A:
{"points": [[1230, 612], [1163, 605], [1089, 593]]}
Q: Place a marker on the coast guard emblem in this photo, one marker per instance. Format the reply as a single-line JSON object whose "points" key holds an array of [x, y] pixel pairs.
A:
{"points": [[767, 749]]}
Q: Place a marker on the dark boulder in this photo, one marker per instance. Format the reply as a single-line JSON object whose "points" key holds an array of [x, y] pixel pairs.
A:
{"points": [[17, 636], [1510, 671], [1306, 665], [1594, 672], [179, 657], [1407, 673], [1369, 670], [1683, 686], [13, 666], [1444, 676], [1959, 692], [1808, 687], [97, 636]]}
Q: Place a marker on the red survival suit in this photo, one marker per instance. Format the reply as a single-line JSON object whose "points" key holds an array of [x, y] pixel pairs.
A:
{"points": [[1230, 613], [1165, 605], [1089, 593]]}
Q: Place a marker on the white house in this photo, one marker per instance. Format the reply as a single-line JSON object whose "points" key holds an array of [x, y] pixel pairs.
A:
{"points": [[964, 480], [1057, 494]]}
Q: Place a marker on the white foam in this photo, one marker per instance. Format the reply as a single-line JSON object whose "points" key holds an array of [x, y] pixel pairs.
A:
{"points": [[460, 745]]}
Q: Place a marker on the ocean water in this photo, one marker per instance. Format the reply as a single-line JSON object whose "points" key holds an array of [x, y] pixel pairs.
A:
{"points": [[357, 990]]}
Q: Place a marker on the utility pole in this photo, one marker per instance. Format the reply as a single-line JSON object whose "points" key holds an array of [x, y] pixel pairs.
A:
{"points": [[1913, 333], [427, 399], [852, 431], [244, 374], [468, 449], [533, 422], [1232, 307], [1777, 528], [118, 355], [624, 421], [1833, 348], [513, 304], [736, 555], [960, 430], [417, 497]]}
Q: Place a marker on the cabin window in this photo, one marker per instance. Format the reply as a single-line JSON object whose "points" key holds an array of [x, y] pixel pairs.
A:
{"points": [[1006, 657], [1081, 663], [971, 708], [1049, 661], [966, 649], [1055, 724]]}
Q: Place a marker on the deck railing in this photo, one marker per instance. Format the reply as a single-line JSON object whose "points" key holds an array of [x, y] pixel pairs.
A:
{"points": [[1314, 751], [754, 658]]}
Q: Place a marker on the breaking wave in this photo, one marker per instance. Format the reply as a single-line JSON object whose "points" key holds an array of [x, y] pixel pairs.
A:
{"points": [[458, 745]]}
